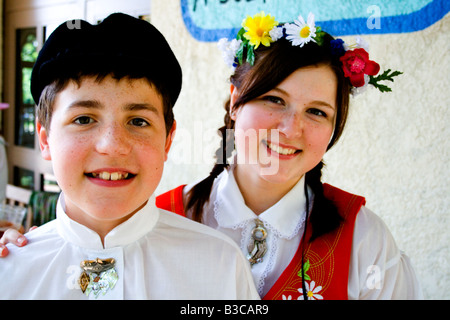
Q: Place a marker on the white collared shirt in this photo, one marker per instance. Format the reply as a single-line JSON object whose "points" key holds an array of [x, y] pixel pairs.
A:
{"points": [[373, 247], [158, 255]]}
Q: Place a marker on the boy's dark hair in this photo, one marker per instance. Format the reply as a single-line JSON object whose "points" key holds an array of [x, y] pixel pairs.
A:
{"points": [[121, 46]]}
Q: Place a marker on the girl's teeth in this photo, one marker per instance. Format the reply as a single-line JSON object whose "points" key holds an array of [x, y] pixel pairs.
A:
{"points": [[281, 150]]}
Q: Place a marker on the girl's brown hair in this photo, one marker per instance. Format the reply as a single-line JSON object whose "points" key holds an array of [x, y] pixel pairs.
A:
{"points": [[272, 65]]}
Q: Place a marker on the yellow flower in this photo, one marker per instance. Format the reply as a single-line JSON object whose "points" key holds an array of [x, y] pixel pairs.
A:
{"points": [[258, 28]]}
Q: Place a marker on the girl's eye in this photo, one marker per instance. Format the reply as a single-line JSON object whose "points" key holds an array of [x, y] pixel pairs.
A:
{"points": [[317, 112], [83, 120], [274, 99], [139, 122]]}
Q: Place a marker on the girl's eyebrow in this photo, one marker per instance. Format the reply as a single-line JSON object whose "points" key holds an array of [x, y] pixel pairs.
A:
{"points": [[317, 103], [320, 103], [280, 91]]}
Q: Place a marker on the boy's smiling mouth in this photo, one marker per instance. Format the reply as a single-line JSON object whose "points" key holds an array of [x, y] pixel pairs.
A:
{"points": [[110, 176]]}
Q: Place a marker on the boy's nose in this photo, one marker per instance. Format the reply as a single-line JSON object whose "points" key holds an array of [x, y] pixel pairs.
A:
{"points": [[113, 140]]}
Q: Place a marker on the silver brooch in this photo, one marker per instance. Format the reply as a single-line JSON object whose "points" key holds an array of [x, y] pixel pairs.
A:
{"points": [[98, 276], [257, 247]]}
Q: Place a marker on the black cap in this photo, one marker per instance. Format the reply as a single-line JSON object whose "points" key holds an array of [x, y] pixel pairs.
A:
{"points": [[120, 44]]}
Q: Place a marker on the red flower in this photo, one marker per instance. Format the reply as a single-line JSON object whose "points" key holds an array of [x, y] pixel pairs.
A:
{"points": [[356, 63]]}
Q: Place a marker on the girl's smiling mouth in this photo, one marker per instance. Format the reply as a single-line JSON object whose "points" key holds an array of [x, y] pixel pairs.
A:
{"points": [[281, 150]]}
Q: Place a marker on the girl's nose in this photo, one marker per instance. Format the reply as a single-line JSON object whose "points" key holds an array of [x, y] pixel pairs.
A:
{"points": [[291, 125], [114, 141]]}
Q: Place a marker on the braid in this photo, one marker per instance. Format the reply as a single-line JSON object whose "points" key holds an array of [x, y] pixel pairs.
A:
{"points": [[324, 215], [199, 195]]}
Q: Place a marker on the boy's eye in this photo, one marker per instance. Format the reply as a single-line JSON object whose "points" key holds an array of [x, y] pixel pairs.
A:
{"points": [[139, 122], [84, 120]]}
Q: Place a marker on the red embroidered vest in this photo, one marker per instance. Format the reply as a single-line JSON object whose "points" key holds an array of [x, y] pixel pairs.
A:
{"points": [[327, 258], [172, 201]]}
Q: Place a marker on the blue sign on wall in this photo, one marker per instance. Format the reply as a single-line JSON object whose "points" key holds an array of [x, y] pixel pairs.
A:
{"points": [[210, 20]]}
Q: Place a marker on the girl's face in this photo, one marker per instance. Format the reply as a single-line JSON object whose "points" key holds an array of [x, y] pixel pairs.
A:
{"points": [[285, 132]]}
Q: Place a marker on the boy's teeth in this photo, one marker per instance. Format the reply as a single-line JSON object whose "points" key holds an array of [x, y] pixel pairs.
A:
{"points": [[281, 150], [110, 176], [105, 175]]}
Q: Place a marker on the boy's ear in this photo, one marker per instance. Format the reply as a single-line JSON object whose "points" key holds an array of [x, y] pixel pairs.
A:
{"points": [[169, 139], [43, 141]]}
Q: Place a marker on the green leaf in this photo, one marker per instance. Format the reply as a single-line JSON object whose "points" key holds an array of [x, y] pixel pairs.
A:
{"points": [[319, 37], [240, 53], [306, 266], [387, 75], [250, 55], [240, 35]]}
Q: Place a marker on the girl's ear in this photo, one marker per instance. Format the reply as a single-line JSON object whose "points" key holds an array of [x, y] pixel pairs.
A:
{"points": [[233, 97], [43, 141]]}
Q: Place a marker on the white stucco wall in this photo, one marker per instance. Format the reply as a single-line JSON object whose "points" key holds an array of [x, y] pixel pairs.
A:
{"points": [[394, 151]]}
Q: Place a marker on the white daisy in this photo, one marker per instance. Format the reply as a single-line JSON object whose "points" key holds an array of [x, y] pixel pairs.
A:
{"points": [[300, 32], [312, 292]]}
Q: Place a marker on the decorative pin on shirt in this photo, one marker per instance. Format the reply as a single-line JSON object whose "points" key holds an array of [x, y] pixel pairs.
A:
{"points": [[98, 276], [257, 247]]}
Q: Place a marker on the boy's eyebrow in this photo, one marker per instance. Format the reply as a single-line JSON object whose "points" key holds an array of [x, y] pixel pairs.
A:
{"points": [[85, 104], [128, 107], [140, 106]]}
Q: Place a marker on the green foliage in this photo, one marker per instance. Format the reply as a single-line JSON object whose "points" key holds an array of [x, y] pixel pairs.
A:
{"points": [[385, 76], [306, 266]]}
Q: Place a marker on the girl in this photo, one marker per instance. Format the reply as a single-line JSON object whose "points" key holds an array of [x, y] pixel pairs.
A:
{"points": [[288, 105]]}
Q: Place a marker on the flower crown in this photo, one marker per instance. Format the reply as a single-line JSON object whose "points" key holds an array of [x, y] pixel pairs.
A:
{"points": [[263, 29]]}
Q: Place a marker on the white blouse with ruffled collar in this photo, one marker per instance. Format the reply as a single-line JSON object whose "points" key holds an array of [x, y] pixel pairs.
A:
{"points": [[284, 222]]}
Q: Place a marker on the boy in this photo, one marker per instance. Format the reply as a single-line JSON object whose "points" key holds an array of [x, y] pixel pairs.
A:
{"points": [[105, 95]]}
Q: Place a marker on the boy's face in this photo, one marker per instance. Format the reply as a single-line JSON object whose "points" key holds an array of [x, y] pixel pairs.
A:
{"points": [[107, 142]]}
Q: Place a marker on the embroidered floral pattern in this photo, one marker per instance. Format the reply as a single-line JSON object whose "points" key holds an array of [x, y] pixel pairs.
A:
{"points": [[312, 292], [306, 266]]}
